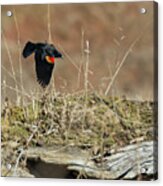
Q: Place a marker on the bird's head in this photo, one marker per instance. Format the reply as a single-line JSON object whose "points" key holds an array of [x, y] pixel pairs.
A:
{"points": [[49, 53], [43, 51]]}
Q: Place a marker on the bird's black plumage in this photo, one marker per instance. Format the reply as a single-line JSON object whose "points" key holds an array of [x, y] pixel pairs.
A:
{"points": [[45, 55]]}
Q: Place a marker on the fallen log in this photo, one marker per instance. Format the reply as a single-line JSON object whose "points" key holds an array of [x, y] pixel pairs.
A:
{"points": [[128, 162]]}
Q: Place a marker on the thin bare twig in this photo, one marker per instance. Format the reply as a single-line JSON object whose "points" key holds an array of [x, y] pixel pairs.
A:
{"points": [[87, 51], [17, 162], [49, 24], [121, 64], [17, 91], [11, 63], [69, 57], [50, 39], [19, 49], [82, 59]]}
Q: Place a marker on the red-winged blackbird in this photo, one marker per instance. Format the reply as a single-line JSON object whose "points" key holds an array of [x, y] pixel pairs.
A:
{"points": [[45, 55]]}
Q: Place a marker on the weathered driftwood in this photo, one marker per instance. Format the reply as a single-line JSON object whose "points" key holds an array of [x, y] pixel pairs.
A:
{"points": [[124, 163]]}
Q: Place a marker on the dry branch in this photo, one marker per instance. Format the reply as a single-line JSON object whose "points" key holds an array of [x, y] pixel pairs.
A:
{"points": [[122, 163]]}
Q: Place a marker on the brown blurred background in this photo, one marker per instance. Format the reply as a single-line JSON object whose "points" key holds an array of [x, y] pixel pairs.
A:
{"points": [[110, 29]]}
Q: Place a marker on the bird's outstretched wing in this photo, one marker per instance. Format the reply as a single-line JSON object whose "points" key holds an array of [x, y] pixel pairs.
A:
{"points": [[43, 72]]}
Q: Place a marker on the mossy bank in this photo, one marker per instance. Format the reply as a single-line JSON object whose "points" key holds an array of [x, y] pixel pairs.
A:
{"points": [[84, 120]]}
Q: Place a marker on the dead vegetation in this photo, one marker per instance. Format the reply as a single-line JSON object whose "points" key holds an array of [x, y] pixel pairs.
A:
{"points": [[62, 119]]}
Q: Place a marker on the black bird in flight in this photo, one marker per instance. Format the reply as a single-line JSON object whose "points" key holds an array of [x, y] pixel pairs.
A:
{"points": [[45, 55]]}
